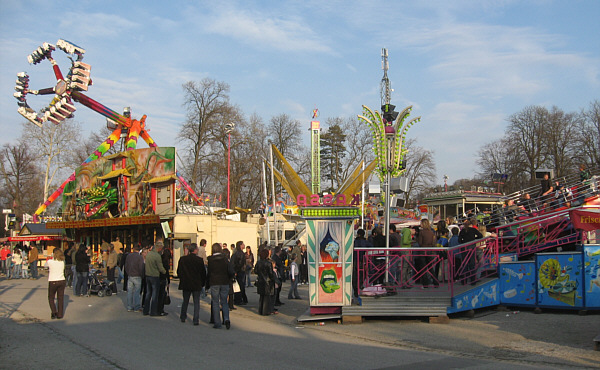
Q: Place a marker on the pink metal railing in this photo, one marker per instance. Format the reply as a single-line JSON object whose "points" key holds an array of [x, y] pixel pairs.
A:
{"points": [[442, 269], [534, 234], [432, 268]]}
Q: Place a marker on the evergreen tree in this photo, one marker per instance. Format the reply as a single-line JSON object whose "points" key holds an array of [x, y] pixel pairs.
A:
{"points": [[333, 151]]}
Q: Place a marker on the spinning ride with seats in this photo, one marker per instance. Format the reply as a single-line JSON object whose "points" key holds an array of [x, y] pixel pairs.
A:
{"points": [[69, 89]]}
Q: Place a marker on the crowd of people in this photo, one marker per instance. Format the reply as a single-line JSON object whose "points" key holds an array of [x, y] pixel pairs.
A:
{"points": [[430, 267], [19, 262], [144, 271], [405, 269]]}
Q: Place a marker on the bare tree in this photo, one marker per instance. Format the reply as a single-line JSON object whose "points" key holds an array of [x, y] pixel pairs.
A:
{"points": [[21, 185], [52, 144], [526, 131], [247, 153], [588, 138], [285, 134], [206, 103], [559, 133], [359, 144], [501, 157], [420, 169]]}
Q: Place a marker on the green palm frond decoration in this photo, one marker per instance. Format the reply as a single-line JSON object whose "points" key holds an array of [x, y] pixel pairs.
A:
{"points": [[397, 151]]}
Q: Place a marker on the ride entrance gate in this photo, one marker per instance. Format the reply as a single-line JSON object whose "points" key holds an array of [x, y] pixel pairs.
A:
{"points": [[330, 241]]}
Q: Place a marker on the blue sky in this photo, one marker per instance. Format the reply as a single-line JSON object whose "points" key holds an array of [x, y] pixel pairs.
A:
{"points": [[465, 66]]}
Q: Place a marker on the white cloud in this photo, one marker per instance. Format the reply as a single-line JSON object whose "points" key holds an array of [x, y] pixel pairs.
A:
{"points": [[96, 24], [296, 109], [263, 30], [491, 60]]}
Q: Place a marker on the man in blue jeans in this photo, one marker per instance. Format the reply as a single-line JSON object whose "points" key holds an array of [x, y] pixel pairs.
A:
{"points": [[154, 268], [220, 274], [134, 267]]}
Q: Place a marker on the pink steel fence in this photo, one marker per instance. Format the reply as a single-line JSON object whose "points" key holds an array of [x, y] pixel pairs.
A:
{"points": [[536, 234], [442, 269], [426, 268]]}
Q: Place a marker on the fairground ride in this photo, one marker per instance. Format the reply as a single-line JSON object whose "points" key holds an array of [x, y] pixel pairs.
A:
{"points": [[68, 89]]}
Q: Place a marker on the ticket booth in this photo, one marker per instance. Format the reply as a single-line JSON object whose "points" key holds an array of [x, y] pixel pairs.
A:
{"points": [[330, 242]]}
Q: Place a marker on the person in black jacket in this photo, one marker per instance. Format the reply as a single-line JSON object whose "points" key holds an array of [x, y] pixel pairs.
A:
{"points": [[192, 277], [278, 259], [238, 263], [468, 234], [69, 264], [218, 279], [82, 267], [265, 283]]}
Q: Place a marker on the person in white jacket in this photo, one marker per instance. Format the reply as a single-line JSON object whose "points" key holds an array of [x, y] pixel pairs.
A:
{"points": [[17, 260], [56, 283]]}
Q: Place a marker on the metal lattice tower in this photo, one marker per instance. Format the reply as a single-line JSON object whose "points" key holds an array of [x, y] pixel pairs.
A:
{"points": [[315, 144], [386, 85]]}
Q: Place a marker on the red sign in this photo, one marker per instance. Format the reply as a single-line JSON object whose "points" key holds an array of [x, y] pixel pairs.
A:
{"points": [[339, 200], [120, 221], [587, 220], [34, 238]]}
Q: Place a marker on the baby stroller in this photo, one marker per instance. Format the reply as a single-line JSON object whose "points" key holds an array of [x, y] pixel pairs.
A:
{"points": [[97, 286]]}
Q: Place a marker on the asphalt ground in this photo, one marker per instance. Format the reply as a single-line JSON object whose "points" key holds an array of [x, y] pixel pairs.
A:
{"points": [[99, 333]]}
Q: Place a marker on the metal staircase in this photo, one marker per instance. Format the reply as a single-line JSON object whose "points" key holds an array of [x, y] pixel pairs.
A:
{"points": [[415, 304]]}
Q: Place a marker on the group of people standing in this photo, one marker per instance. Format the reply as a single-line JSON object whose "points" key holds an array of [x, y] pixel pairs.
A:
{"points": [[144, 271], [429, 265], [218, 274], [146, 275], [20, 262]]}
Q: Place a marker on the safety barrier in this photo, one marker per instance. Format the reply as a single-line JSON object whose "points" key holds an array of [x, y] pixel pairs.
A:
{"points": [[425, 268], [535, 234]]}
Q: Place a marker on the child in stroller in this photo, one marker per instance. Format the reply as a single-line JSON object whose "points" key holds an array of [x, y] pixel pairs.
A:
{"points": [[100, 287]]}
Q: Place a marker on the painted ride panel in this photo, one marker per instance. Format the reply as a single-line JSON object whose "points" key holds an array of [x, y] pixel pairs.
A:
{"points": [[560, 280], [518, 283]]}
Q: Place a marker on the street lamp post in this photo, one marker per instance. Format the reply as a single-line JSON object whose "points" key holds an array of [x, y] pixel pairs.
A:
{"points": [[228, 129]]}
